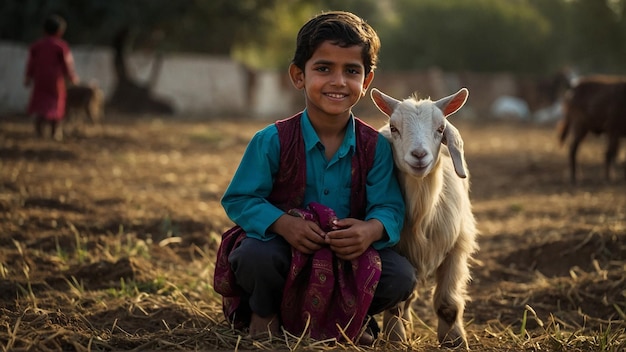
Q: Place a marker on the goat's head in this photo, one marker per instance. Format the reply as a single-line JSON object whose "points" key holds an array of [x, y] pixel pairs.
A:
{"points": [[417, 128]]}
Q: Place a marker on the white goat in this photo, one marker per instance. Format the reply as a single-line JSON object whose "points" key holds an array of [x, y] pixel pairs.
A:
{"points": [[439, 234]]}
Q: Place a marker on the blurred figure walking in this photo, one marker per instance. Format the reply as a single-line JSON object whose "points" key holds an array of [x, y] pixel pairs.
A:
{"points": [[50, 62]]}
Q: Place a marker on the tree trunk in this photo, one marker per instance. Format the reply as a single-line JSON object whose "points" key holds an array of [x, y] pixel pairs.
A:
{"points": [[130, 96]]}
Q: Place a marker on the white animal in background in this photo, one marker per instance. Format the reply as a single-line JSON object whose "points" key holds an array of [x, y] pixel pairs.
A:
{"points": [[439, 234]]}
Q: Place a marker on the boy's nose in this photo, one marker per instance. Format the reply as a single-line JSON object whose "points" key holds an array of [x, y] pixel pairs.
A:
{"points": [[339, 79]]}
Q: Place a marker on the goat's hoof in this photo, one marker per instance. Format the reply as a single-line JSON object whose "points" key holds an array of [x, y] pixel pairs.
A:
{"points": [[397, 338], [455, 344], [397, 333], [454, 339], [366, 339]]}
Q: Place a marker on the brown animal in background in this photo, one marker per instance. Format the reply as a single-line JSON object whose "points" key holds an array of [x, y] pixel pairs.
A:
{"points": [[595, 104], [84, 100]]}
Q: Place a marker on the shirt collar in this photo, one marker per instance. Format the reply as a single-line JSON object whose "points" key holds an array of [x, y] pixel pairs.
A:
{"points": [[311, 139]]}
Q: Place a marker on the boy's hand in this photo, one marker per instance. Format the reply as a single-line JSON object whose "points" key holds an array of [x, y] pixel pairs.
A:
{"points": [[305, 236], [353, 237]]}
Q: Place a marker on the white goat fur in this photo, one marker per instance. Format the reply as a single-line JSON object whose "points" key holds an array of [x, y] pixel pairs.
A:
{"points": [[439, 234]]}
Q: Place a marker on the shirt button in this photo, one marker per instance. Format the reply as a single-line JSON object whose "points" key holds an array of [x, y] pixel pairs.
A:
{"points": [[326, 192]]}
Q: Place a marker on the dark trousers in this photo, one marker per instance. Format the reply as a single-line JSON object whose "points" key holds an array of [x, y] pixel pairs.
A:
{"points": [[261, 269]]}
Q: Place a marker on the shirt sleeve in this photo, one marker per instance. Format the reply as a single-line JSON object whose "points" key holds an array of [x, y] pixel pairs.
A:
{"points": [[384, 197], [245, 200], [68, 64]]}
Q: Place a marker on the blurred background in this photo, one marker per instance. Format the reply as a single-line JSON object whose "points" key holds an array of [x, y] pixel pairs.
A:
{"points": [[216, 57]]}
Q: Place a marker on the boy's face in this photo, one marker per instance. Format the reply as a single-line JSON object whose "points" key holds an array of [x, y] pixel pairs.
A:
{"points": [[333, 80]]}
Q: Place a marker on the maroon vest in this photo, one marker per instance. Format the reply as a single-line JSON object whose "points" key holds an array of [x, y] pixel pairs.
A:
{"points": [[290, 182]]}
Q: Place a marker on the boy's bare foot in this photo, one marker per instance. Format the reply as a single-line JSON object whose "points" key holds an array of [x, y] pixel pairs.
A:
{"points": [[260, 326], [366, 339]]}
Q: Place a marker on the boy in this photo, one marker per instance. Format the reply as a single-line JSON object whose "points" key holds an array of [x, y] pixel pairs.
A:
{"points": [[49, 63], [316, 202]]}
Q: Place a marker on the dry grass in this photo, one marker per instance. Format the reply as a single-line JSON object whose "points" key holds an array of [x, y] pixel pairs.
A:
{"points": [[108, 242]]}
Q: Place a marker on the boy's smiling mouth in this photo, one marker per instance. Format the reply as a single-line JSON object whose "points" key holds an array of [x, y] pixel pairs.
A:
{"points": [[336, 95]]}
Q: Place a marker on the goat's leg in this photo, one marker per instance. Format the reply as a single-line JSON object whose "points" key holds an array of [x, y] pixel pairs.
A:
{"points": [[397, 320], [579, 135], [449, 298], [89, 114], [611, 154]]}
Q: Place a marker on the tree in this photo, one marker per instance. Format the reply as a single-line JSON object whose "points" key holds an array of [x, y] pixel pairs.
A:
{"points": [[598, 38], [534, 36], [151, 25], [479, 35], [274, 48]]}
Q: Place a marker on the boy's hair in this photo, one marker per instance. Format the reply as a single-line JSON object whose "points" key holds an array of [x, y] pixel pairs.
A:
{"points": [[53, 24], [341, 28]]}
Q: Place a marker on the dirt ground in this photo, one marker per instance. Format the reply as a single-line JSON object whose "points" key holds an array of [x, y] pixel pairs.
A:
{"points": [[107, 239]]}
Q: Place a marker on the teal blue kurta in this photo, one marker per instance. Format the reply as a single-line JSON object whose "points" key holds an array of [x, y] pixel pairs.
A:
{"points": [[328, 182]]}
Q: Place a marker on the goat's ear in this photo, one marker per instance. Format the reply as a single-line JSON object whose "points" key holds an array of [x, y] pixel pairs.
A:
{"points": [[452, 103], [452, 138], [385, 103]]}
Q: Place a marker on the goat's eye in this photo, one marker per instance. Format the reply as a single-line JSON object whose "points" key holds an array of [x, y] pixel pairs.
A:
{"points": [[441, 128], [393, 129]]}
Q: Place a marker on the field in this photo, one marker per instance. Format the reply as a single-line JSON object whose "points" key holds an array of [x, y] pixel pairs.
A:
{"points": [[108, 239]]}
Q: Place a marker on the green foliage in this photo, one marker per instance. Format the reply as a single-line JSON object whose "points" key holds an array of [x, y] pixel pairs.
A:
{"points": [[534, 36], [182, 25], [601, 35], [132, 288], [479, 35], [275, 48]]}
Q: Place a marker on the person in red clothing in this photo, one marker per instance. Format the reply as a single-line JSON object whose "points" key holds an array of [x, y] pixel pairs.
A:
{"points": [[50, 62]]}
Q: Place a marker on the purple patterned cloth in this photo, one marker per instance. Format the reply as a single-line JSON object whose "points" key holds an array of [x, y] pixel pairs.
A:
{"points": [[325, 292]]}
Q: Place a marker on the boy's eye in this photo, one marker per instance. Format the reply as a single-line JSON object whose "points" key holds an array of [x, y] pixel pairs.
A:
{"points": [[353, 71], [322, 69]]}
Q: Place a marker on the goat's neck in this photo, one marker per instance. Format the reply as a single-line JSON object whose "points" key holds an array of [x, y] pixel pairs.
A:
{"points": [[422, 194]]}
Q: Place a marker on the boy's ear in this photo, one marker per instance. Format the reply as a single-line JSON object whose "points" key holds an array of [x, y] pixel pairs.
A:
{"points": [[366, 82], [297, 76]]}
